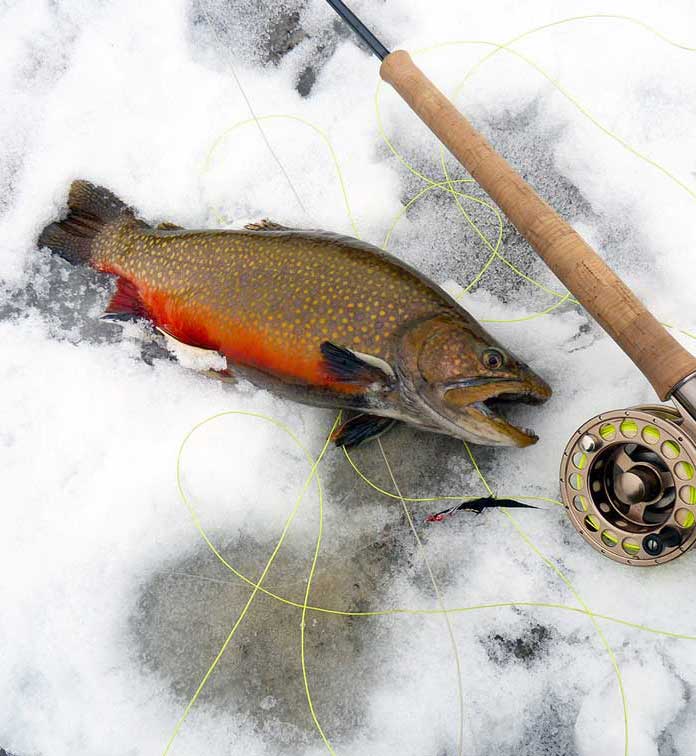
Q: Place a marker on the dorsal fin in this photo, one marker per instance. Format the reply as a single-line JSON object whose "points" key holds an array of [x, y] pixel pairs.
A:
{"points": [[168, 226], [267, 225]]}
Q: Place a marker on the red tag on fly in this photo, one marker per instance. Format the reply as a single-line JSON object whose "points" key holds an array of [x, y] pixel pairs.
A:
{"points": [[437, 517]]}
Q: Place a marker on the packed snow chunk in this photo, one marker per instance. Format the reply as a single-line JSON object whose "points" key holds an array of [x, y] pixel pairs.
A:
{"points": [[654, 696], [193, 357]]}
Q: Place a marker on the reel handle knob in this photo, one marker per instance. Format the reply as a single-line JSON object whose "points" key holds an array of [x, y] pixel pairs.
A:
{"points": [[655, 543], [662, 360]]}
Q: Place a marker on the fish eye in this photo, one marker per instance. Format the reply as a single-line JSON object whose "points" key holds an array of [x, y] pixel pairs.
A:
{"points": [[493, 359]]}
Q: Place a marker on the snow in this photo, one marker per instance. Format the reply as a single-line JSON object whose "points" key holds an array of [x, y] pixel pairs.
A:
{"points": [[113, 604]]}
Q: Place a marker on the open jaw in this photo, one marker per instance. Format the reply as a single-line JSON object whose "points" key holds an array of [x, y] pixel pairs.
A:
{"points": [[490, 410], [477, 412]]}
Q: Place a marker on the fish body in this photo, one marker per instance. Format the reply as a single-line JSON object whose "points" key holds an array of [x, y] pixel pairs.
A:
{"points": [[321, 318]]}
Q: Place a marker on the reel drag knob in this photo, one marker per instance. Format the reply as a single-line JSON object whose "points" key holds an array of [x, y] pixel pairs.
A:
{"points": [[628, 482]]}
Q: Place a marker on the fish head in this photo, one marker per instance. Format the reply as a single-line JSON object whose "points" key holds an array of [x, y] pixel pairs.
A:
{"points": [[456, 375]]}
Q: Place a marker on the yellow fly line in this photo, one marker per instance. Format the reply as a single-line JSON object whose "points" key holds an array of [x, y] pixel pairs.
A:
{"points": [[452, 187], [312, 474]]}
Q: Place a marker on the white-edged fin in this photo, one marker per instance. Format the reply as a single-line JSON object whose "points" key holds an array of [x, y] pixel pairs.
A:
{"points": [[377, 362], [345, 365], [193, 357], [361, 428]]}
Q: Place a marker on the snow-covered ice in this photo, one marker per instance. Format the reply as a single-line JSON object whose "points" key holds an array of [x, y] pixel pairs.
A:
{"points": [[113, 606]]}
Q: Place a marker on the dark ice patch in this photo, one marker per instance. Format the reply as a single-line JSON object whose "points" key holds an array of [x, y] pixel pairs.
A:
{"points": [[305, 81], [255, 31], [187, 608], [551, 731], [71, 299], [528, 647], [525, 138], [265, 31]]}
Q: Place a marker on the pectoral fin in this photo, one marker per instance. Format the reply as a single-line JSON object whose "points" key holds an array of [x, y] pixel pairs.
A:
{"points": [[347, 366], [361, 428]]}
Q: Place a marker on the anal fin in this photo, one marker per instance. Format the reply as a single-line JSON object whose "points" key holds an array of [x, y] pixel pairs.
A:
{"points": [[225, 375], [361, 428], [125, 304]]}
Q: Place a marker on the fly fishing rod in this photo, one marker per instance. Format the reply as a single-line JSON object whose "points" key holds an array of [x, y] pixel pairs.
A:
{"points": [[628, 476]]}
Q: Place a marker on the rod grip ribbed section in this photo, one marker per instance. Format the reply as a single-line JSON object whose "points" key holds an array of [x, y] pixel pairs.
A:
{"points": [[662, 360]]}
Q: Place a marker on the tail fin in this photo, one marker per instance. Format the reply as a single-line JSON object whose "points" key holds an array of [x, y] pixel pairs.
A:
{"points": [[90, 209]]}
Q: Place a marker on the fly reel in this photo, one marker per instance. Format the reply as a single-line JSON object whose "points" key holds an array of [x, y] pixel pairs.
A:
{"points": [[628, 481]]}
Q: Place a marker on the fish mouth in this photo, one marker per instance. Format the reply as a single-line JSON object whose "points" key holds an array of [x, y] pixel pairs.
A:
{"points": [[489, 412], [476, 408]]}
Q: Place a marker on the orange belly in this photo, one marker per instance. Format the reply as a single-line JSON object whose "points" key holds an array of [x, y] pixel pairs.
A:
{"points": [[267, 350]]}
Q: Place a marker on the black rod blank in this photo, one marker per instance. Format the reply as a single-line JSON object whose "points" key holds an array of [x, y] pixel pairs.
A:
{"points": [[359, 28]]}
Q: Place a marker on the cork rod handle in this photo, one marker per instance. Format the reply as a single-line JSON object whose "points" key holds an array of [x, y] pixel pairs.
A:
{"points": [[662, 360]]}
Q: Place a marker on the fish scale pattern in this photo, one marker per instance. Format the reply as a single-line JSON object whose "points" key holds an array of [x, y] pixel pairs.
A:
{"points": [[270, 298]]}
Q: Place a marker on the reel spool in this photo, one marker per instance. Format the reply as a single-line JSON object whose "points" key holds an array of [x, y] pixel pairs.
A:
{"points": [[628, 481]]}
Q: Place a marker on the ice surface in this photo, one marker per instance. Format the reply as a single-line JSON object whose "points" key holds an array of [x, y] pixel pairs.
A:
{"points": [[113, 605]]}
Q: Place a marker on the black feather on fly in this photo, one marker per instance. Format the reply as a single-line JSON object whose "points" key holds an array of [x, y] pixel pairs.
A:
{"points": [[477, 506]]}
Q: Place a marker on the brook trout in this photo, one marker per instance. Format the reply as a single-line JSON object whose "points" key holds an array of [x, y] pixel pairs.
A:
{"points": [[320, 318]]}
